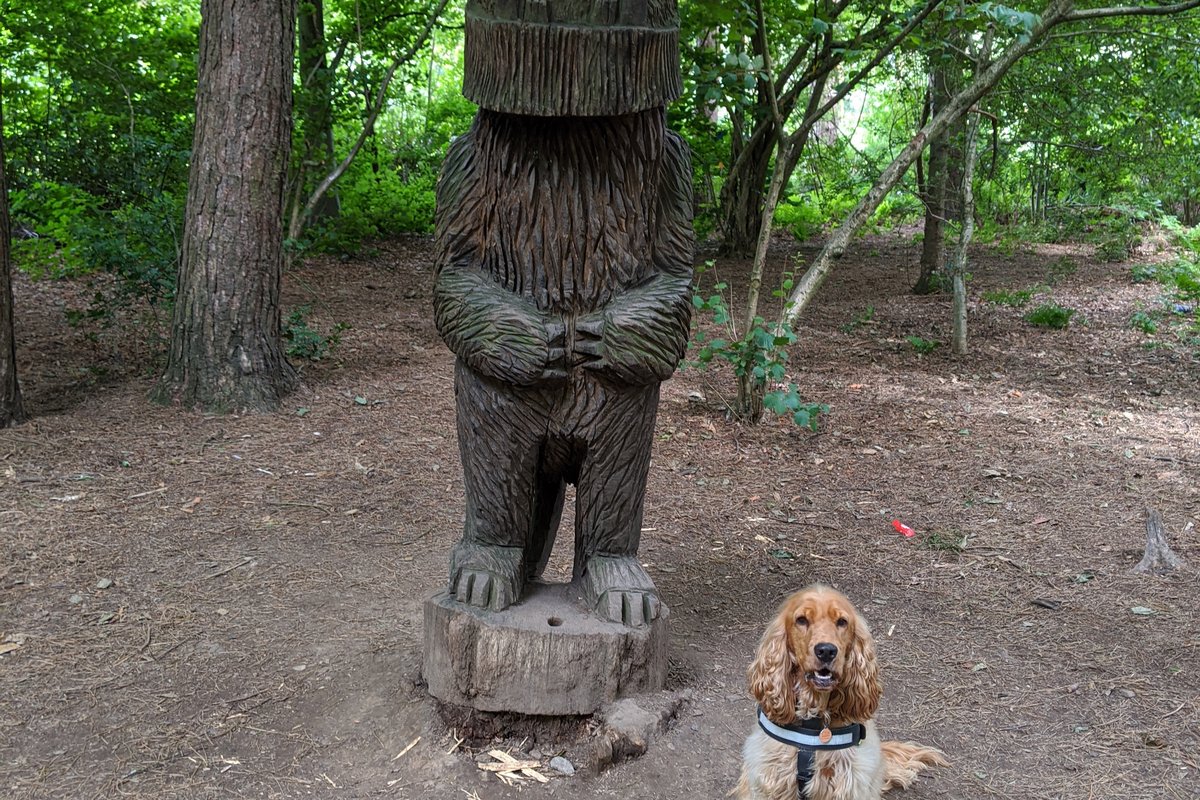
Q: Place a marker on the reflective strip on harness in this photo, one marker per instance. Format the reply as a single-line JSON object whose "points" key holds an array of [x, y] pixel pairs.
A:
{"points": [[800, 736]]}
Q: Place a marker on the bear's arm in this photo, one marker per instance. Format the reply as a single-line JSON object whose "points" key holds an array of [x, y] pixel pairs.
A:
{"points": [[498, 334], [643, 332]]}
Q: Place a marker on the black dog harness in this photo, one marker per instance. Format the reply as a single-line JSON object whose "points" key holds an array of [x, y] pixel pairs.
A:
{"points": [[808, 736]]}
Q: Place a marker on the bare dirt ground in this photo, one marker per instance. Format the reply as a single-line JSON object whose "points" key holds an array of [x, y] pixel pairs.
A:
{"points": [[209, 607]]}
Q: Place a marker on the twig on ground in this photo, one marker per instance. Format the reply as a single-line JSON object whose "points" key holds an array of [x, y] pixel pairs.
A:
{"points": [[230, 568]]}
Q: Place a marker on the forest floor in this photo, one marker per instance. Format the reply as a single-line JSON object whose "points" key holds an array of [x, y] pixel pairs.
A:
{"points": [[197, 606]]}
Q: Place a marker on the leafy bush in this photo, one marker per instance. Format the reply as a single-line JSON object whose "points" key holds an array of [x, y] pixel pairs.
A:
{"points": [[800, 217], [1143, 322], [53, 211], [375, 205], [1050, 315], [139, 245], [1182, 276]]}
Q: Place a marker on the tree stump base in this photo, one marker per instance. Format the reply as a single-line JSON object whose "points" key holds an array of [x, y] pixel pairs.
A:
{"points": [[545, 655], [1159, 558]]}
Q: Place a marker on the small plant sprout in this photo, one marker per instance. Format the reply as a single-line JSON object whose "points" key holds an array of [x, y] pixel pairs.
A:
{"points": [[922, 346], [949, 541], [761, 353]]}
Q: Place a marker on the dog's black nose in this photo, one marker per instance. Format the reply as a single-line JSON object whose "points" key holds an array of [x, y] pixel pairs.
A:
{"points": [[825, 652]]}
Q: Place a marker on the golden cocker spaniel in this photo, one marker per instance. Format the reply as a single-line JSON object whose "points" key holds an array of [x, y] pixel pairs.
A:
{"points": [[817, 683]]}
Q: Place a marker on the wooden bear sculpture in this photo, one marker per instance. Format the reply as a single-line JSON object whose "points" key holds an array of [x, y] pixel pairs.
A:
{"points": [[564, 251]]}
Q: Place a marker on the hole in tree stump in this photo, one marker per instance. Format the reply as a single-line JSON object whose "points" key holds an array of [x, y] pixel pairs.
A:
{"points": [[554, 622]]}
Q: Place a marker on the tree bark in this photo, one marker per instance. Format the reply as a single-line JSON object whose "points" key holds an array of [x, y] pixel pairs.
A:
{"points": [[742, 195], [226, 348], [935, 185], [958, 262], [11, 409]]}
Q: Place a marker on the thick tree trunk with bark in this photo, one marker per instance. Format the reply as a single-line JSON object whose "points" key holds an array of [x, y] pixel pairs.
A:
{"points": [[11, 409], [226, 349]]}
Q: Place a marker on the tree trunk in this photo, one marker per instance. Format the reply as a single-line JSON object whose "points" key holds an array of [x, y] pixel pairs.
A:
{"points": [[226, 349], [742, 195], [958, 263], [743, 192], [316, 108], [1159, 558], [935, 185], [11, 409]]}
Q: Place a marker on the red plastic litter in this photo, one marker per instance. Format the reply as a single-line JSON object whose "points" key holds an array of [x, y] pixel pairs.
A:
{"points": [[904, 529]]}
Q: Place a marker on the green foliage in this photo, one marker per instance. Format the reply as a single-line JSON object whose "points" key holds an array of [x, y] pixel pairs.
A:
{"points": [[99, 96], [1014, 298], [1050, 315], [379, 204], [761, 353], [136, 243], [922, 346], [788, 403], [948, 541], [862, 319], [1144, 322], [1116, 238], [54, 212], [304, 342], [801, 217], [1181, 276]]}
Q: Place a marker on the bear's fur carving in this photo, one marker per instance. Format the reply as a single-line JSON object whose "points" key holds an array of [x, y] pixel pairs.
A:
{"points": [[564, 252]]}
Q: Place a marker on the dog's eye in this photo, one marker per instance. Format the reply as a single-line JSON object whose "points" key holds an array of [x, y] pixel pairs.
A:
{"points": [[802, 620], [843, 622]]}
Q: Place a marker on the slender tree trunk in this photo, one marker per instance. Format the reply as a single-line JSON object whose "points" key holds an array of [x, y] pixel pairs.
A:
{"points": [[935, 184], [316, 108], [226, 349], [958, 263], [11, 408]]}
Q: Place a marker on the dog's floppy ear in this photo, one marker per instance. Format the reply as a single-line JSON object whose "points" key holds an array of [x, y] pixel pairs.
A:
{"points": [[861, 685], [771, 675]]}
